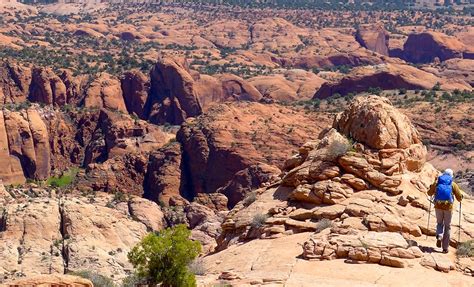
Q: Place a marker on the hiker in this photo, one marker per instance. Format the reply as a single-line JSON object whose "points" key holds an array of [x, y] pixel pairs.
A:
{"points": [[443, 189]]}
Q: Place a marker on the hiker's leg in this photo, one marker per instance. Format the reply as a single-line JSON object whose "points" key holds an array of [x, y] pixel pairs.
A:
{"points": [[447, 228], [439, 222]]}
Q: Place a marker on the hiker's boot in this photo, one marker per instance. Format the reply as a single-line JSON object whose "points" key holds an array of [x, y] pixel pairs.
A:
{"points": [[439, 238], [445, 251]]}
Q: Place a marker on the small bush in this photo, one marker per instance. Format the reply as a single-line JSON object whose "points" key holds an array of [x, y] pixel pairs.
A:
{"points": [[338, 148], [259, 220], [323, 224], [466, 249], [96, 279], [197, 267], [249, 199], [132, 281]]}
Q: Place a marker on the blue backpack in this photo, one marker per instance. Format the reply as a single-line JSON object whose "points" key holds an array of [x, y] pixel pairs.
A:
{"points": [[444, 189]]}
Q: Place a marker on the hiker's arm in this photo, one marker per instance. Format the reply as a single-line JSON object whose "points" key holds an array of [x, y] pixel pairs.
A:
{"points": [[432, 189], [457, 191]]}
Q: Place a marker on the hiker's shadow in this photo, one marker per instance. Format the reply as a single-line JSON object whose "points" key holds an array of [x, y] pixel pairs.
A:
{"points": [[424, 249], [428, 249]]}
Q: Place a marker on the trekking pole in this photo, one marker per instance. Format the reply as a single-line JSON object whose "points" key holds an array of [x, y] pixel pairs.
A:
{"points": [[429, 215], [459, 230]]}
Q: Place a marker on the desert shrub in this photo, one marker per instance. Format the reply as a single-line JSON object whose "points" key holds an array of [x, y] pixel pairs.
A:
{"points": [[96, 279], [163, 258], [197, 267], [259, 220], [338, 148], [466, 249], [132, 281], [323, 224], [249, 199]]}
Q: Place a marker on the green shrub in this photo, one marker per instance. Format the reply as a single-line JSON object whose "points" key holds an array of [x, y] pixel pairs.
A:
{"points": [[466, 249], [65, 179], [163, 258], [96, 279]]}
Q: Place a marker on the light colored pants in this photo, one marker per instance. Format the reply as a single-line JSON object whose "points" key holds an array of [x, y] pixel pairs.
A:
{"points": [[443, 227]]}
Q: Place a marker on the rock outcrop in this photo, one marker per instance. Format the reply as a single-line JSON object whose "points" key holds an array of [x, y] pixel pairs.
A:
{"points": [[360, 187], [105, 92], [58, 280], [117, 153], [172, 94], [230, 138], [427, 46], [387, 77], [56, 235], [374, 38], [135, 87], [47, 88]]}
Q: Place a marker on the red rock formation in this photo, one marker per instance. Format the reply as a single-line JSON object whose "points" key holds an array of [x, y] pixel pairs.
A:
{"points": [[105, 92], [386, 77], [425, 47], [374, 38], [230, 138], [47, 88], [173, 97], [135, 88], [14, 83], [164, 179]]}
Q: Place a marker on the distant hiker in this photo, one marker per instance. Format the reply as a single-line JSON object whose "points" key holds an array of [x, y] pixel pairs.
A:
{"points": [[443, 189]]}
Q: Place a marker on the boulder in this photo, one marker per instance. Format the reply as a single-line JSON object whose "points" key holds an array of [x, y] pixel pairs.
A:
{"points": [[374, 122]]}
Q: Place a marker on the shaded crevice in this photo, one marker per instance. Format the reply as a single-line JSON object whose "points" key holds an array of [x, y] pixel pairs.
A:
{"points": [[3, 220], [64, 236]]}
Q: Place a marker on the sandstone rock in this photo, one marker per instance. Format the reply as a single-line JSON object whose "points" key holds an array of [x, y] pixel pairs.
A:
{"points": [[374, 38], [46, 87], [135, 87], [52, 280], [436, 261], [376, 123], [388, 76], [173, 97], [147, 212], [162, 182], [425, 47], [233, 140], [105, 92], [238, 89], [15, 84]]}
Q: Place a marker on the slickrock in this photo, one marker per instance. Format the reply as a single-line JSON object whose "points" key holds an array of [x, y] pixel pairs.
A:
{"points": [[59, 280], [50, 235], [135, 87], [15, 84], [116, 156]]}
